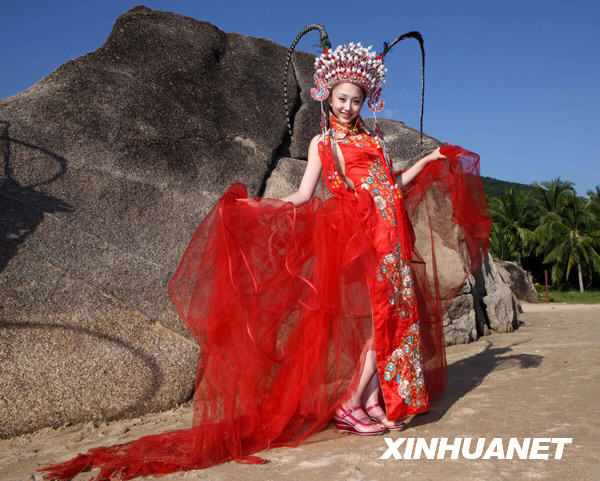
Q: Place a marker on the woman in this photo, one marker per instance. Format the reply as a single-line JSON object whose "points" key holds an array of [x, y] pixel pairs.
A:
{"points": [[308, 309], [346, 100]]}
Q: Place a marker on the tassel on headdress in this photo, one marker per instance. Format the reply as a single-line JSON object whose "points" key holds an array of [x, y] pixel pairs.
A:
{"points": [[416, 35], [325, 45]]}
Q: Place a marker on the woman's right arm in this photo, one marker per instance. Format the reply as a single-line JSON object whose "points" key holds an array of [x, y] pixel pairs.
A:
{"points": [[311, 176]]}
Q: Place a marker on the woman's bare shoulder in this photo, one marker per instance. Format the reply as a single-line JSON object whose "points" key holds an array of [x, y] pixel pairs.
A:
{"points": [[314, 142], [315, 139]]}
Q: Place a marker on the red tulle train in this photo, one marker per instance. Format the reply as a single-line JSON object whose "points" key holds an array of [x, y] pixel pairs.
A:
{"points": [[276, 297]]}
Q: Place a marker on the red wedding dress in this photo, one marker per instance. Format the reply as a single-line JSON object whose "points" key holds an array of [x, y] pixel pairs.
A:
{"points": [[285, 301]]}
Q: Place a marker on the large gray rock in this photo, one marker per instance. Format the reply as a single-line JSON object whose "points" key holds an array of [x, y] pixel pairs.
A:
{"points": [[483, 304], [465, 320], [518, 280], [460, 320], [110, 163], [501, 307]]}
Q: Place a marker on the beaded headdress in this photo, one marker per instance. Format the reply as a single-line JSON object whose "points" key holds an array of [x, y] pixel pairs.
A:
{"points": [[351, 63]]}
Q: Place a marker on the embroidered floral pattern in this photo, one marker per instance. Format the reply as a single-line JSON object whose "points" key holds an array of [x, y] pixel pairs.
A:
{"points": [[404, 369], [394, 267], [382, 190]]}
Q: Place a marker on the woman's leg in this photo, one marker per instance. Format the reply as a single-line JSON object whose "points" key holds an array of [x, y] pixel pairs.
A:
{"points": [[371, 403], [369, 369], [354, 403]]}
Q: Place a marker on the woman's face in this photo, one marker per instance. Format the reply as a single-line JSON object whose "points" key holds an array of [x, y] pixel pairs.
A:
{"points": [[346, 101]]}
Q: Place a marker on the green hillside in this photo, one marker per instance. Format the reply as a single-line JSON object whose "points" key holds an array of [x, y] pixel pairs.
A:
{"points": [[495, 187]]}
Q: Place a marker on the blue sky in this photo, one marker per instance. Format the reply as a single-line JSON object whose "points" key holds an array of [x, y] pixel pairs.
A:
{"points": [[517, 82]]}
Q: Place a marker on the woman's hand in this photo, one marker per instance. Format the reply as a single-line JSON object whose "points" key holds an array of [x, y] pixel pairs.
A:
{"points": [[435, 155], [405, 177]]}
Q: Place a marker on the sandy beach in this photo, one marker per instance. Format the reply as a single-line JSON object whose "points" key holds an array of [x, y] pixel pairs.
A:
{"points": [[540, 381]]}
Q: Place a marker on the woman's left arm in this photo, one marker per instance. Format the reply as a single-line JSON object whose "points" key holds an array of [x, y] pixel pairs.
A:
{"points": [[406, 176]]}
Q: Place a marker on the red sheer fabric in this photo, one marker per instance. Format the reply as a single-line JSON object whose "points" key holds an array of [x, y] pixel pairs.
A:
{"points": [[450, 223], [285, 301]]}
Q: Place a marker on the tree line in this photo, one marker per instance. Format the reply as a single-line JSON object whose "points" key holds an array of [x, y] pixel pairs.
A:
{"points": [[549, 228]]}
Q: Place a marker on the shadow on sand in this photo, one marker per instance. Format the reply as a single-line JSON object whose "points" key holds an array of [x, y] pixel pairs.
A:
{"points": [[466, 374]]}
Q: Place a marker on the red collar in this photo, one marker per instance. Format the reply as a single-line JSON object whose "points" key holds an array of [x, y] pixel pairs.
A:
{"points": [[342, 130], [356, 134]]}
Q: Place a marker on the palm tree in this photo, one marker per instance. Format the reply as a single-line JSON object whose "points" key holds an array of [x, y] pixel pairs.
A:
{"points": [[595, 202], [551, 193], [502, 245], [594, 224], [514, 215], [562, 232]]}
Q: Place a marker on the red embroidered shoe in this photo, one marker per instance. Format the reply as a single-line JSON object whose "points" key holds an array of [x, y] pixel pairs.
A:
{"points": [[346, 422], [396, 426]]}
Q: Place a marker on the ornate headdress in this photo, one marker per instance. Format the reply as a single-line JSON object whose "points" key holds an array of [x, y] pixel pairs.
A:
{"points": [[351, 63]]}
